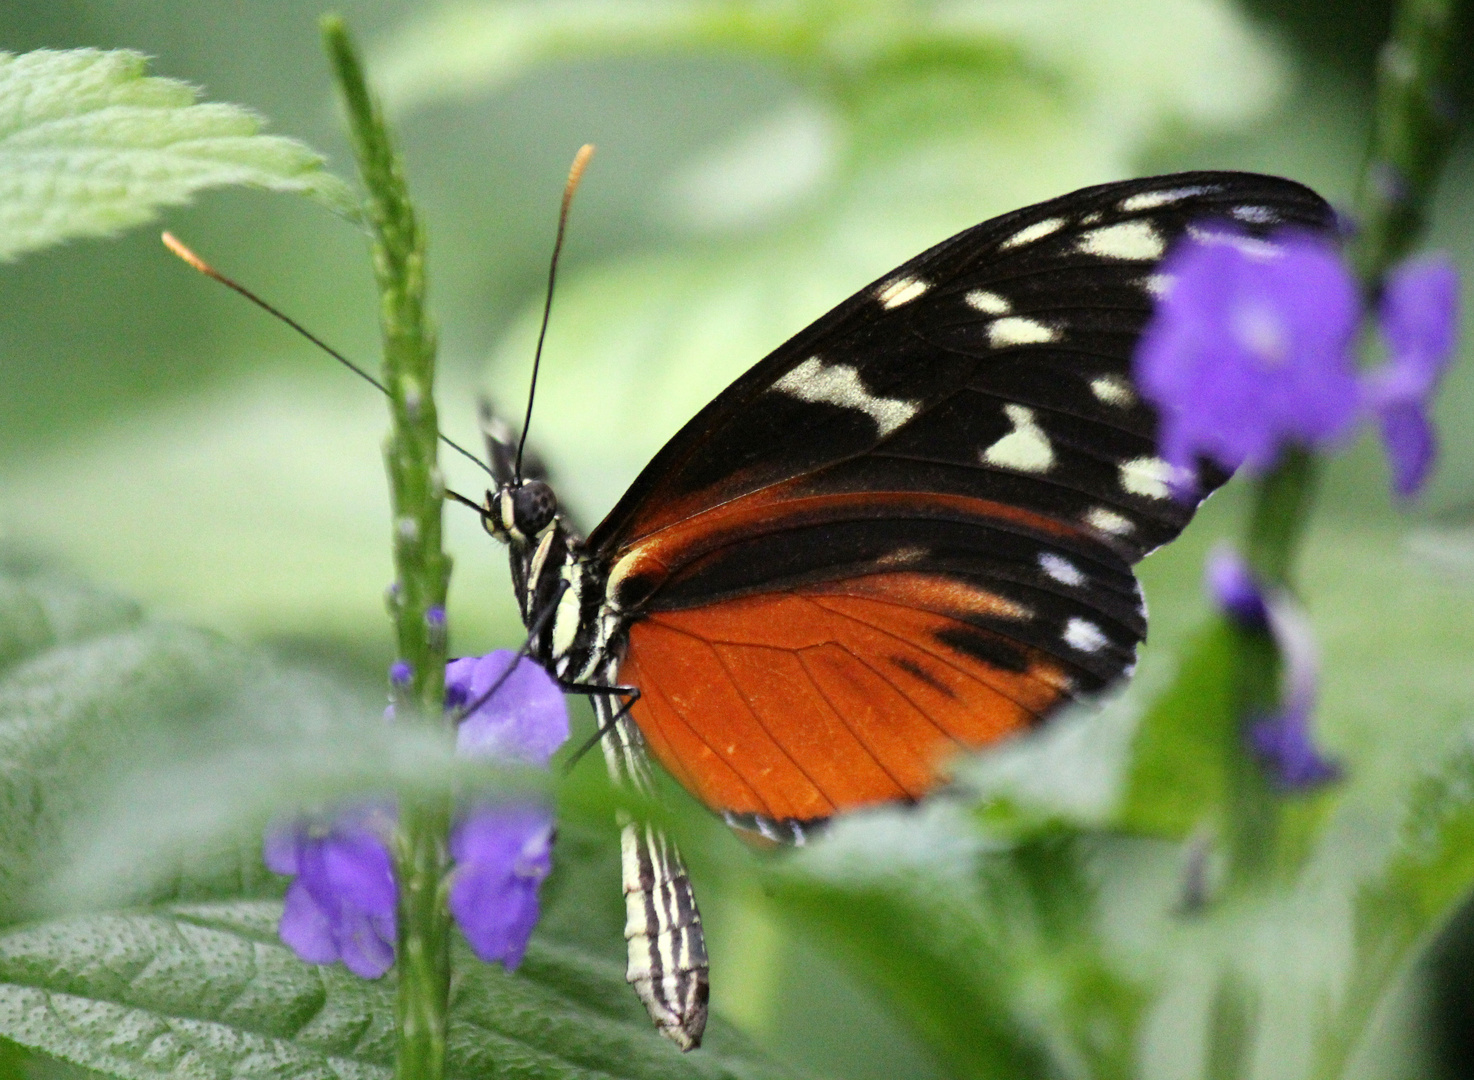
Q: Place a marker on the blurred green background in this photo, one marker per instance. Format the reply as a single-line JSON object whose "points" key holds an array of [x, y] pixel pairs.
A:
{"points": [[159, 435]]}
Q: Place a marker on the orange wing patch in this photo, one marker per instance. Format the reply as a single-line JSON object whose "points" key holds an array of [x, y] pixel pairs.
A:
{"points": [[832, 696]]}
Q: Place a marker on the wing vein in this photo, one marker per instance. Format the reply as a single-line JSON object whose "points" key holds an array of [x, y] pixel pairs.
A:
{"points": [[939, 656], [752, 711], [839, 715], [901, 693], [768, 809]]}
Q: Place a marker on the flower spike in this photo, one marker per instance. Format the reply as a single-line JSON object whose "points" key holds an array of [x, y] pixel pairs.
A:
{"points": [[1282, 739], [1419, 315]]}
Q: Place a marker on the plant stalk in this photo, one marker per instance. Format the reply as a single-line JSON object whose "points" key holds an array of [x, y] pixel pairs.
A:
{"points": [[417, 494]]}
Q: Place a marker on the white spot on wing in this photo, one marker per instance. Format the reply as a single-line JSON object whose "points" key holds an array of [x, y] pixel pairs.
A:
{"points": [[1017, 330], [1060, 569], [1250, 245], [839, 384], [1147, 476], [1037, 231], [1150, 200], [1108, 521], [1113, 390], [1128, 240], [1255, 215], [989, 303], [1158, 284], [1025, 448], [1084, 635], [901, 290]]}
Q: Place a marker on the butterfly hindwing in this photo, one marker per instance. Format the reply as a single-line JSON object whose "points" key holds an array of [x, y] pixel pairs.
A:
{"points": [[910, 529]]}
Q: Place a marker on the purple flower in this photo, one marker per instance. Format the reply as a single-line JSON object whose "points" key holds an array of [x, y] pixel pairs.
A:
{"points": [[1231, 584], [1282, 739], [525, 720], [400, 673], [1419, 319], [502, 854], [1250, 349], [341, 904]]}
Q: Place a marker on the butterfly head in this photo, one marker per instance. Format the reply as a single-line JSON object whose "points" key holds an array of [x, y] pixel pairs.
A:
{"points": [[518, 513]]}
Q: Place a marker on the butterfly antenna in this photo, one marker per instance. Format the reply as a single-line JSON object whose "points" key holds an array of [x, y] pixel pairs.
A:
{"points": [[173, 244], [456, 496], [575, 174]]}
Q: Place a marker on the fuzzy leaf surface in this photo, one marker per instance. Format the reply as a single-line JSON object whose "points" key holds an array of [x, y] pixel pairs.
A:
{"points": [[91, 145], [196, 991]]}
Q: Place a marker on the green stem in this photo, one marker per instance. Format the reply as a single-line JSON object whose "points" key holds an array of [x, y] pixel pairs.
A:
{"points": [[422, 957], [1232, 1022], [1412, 128], [1253, 832], [1282, 502], [417, 494]]}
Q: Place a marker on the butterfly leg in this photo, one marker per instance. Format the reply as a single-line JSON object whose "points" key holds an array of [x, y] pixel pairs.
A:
{"points": [[667, 947], [604, 727]]}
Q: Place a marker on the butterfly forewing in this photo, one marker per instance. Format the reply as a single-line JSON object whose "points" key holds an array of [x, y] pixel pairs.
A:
{"points": [[911, 340], [910, 529]]}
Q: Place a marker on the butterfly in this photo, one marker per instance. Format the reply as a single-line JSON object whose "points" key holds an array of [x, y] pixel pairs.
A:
{"points": [[907, 532]]}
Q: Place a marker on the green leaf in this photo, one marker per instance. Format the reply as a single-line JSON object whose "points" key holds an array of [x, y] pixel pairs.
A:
{"points": [[90, 145], [208, 990], [985, 944], [1177, 779], [40, 611], [89, 688], [1427, 874], [1217, 69], [140, 760], [457, 49]]}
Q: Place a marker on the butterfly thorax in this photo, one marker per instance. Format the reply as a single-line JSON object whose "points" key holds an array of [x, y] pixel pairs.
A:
{"points": [[559, 588]]}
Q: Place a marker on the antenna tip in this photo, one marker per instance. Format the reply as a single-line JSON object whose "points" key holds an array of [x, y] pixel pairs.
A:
{"points": [[173, 243], [580, 163]]}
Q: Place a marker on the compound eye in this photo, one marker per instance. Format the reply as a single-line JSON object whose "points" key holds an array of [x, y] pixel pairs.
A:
{"points": [[533, 507]]}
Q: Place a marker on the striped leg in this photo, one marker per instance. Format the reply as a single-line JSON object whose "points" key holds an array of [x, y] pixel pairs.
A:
{"points": [[667, 949]]}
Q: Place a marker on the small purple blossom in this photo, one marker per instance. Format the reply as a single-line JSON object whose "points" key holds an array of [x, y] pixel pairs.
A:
{"points": [[1281, 740], [1419, 319], [341, 904], [502, 854], [1284, 746], [525, 720], [1231, 584], [400, 673], [1251, 349]]}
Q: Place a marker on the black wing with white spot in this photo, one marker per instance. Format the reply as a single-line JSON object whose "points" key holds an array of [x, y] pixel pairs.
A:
{"points": [[996, 364]]}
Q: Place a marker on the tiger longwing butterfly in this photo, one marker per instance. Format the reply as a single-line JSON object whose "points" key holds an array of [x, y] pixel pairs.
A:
{"points": [[906, 532]]}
